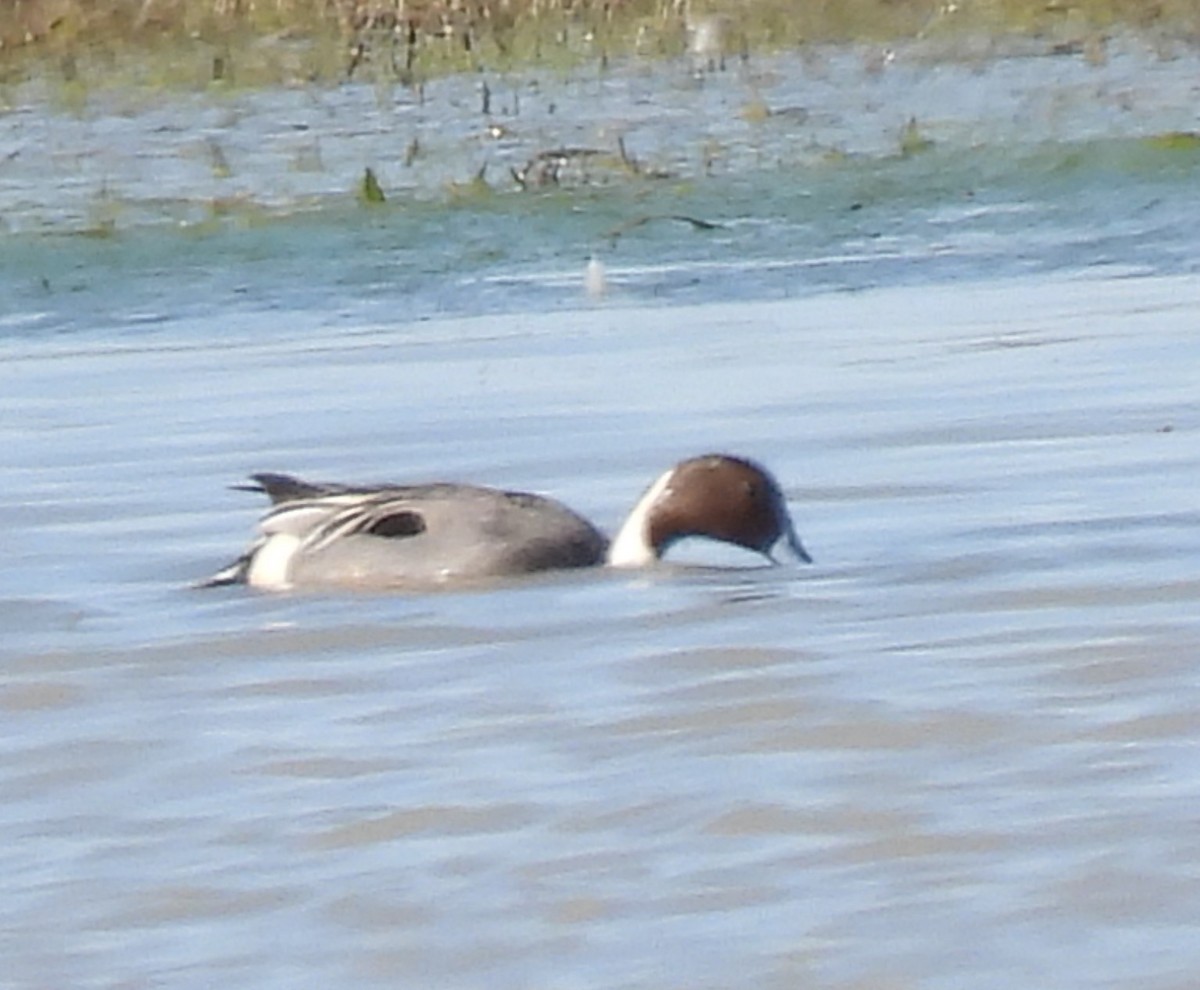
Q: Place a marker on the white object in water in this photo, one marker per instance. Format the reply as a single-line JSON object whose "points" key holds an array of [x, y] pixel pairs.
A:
{"points": [[595, 280]]}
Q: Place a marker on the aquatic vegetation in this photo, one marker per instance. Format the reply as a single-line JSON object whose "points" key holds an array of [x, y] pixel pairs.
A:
{"points": [[912, 140], [103, 212], [228, 43], [756, 110], [473, 190], [307, 158], [217, 159], [1175, 141], [696, 223], [1169, 153], [576, 166], [240, 209], [369, 190], [818, 119], [582, 167]]}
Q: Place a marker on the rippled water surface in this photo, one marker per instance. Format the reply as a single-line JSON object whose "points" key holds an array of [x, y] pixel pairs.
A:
{"points": [[959, 750]]}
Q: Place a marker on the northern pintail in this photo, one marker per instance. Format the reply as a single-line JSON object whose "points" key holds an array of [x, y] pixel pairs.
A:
{"points": [[412, 536]]}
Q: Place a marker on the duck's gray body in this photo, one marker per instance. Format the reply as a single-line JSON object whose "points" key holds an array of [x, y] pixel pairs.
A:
{"points": [[406, 535]]}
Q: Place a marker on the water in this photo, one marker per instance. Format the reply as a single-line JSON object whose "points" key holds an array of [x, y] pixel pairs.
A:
{"points": [[958, 750]]}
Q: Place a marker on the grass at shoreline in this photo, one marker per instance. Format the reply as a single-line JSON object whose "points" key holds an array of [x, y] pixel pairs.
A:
{"points": [[267, 42]]}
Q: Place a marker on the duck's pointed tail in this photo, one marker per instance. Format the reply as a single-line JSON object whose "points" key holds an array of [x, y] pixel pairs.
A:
{"points": [[235, 573], [286, 488]]}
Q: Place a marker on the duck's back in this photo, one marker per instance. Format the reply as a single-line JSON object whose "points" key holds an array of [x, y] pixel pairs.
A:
{"points": [[432, 534]]}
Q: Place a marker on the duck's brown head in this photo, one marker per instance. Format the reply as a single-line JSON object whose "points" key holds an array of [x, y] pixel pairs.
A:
{"points": [[718, 496]]}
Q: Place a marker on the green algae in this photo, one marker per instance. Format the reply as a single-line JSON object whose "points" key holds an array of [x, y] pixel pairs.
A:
{"points": [[370, 192]]}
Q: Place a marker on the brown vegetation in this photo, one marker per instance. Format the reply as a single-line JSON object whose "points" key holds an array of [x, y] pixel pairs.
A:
{"points": [[449, 34]]}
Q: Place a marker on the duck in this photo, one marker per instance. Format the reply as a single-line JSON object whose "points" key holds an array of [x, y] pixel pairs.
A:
{"points": [[318, 534]]}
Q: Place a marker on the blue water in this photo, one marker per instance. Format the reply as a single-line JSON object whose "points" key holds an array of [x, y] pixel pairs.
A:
{"points": [[959, 750]]}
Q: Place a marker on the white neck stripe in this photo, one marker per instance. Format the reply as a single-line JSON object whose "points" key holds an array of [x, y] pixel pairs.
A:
{"points": [[632, 548]]}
